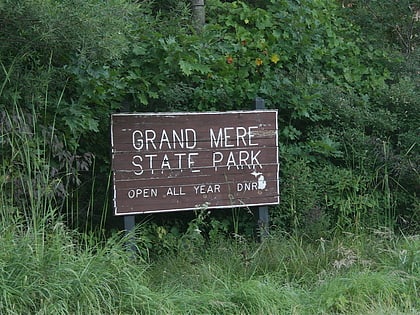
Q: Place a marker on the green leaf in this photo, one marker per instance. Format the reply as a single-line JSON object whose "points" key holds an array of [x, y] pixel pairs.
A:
{"points": [[188, 68], [139, 50]]}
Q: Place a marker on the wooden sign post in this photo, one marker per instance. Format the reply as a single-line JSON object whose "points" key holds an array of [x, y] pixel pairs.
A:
{"points": [[165, 162]]}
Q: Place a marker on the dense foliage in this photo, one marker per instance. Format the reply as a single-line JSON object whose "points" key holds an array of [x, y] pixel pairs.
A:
{"points": [[345, 85]]}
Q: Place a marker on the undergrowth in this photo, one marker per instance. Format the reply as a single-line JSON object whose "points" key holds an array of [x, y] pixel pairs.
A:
{"points": [[375, 273], [48, 268]]}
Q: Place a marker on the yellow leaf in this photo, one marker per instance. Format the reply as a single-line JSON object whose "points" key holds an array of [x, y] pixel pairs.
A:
{"points": [[275, 58]]}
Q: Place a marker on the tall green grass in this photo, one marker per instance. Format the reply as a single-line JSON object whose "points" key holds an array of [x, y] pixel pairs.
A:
{"points": [[287, 275], [46, 268]]}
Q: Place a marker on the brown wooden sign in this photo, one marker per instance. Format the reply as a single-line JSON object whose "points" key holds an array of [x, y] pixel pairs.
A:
{"points": [[183, 161]]}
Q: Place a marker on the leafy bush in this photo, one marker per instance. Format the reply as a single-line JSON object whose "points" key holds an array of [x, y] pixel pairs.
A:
{"points": [[344, 106], [43, 43]]}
